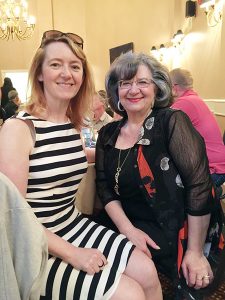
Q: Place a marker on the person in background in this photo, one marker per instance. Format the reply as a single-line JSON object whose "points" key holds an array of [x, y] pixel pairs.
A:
{"points": [[47, 162], [116, 117], [5, 89], [152, 172], [187, 100], [1, 109], [12, 106], [108, 109], [100, 116]]}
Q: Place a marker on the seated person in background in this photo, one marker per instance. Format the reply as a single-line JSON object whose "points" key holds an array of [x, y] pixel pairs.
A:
{"points": [[5, 89], [108, 109], [187, 100], [152, 172], [12, 106], [116, 117], [47, 162], [100, 117]]}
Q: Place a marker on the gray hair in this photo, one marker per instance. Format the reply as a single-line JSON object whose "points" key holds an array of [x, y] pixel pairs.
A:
{"points": [[126, 67], [12, 95], [102, 97], [182, 78]]}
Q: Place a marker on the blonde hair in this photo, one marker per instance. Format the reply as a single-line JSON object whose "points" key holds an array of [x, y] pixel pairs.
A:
{"points": [[79, 105], [182, 78]]}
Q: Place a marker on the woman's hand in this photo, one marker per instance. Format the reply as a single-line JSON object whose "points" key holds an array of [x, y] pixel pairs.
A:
{"points": [[141, 240], [196, 269], [87, 259], [138, 237]]}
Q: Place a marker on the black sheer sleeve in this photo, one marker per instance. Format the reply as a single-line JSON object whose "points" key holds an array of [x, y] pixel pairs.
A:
{"points": [[105, 193], [187, 148]]}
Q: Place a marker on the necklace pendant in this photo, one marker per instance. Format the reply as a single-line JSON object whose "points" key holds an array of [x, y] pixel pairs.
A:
{"points": [[117, 176], [118, 170], [116, 189]]}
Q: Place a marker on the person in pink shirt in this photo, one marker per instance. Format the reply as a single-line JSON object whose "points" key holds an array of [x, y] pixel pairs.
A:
{"points": [[187, 100]]}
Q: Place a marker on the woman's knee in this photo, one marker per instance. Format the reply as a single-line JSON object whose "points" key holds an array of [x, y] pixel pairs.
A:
{"points": [[128, 288], [142, 269]]}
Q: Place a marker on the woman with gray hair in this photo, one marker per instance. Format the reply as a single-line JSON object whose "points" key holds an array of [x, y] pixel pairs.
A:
{"points": [[152, 171]]}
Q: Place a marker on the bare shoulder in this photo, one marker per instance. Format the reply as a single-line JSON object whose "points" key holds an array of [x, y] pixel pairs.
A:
{"points": [[15, 131], [16, 145], [13, 126]]}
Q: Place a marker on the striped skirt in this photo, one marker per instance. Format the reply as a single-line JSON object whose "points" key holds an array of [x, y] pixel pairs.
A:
{"points": [[63, 282]]}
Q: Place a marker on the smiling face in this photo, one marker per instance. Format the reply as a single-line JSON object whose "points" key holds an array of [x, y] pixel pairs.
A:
{"points": [[137, 100], [62, 73]]}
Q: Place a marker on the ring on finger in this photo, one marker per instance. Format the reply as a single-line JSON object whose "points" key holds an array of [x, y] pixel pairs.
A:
{"points": [[101, 265], [206, 277], [200, 278]]}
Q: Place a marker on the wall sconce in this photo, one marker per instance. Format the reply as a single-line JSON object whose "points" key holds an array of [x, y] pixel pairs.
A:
{"points": [[153, 50], [177, 38], [158, 54], [173, 40], [179, 35], [213, 11], [162, 48], [162, 51]]}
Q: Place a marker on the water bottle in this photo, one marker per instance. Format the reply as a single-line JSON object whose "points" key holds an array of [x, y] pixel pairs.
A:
{"points": [[86, 132]]}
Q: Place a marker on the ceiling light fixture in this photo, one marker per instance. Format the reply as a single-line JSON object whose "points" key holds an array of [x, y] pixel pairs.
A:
{"points": [[15, 21]]}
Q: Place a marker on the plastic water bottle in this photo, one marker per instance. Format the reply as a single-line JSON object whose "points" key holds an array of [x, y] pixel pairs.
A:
{"points": [[86, 132]]}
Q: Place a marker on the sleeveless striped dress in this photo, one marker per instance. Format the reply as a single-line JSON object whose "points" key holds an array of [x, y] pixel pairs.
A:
{"points": [[57, 165]]}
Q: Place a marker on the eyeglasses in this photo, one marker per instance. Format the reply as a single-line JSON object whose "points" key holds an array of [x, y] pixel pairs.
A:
{"points": [[54, 34], [140, 83]]}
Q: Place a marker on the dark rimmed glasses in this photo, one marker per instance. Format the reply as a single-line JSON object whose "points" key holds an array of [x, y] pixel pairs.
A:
{"points": [[140, 83], [54, 34]]}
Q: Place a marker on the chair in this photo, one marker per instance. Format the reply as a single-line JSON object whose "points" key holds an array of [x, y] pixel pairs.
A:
{"points": [[23, 250]]}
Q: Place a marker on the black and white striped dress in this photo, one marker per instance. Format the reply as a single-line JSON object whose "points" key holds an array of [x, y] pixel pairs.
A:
{"points": [[57, 165]]}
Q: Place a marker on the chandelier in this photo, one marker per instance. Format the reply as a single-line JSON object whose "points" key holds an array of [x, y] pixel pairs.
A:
{"points": [[15, 21]]}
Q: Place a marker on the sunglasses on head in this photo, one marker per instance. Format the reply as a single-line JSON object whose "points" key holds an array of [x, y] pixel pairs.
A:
{"points": [[54, 34]]}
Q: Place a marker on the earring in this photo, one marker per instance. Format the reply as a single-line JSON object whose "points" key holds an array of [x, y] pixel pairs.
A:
{"points": [[119, 106], [152, 104]]}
